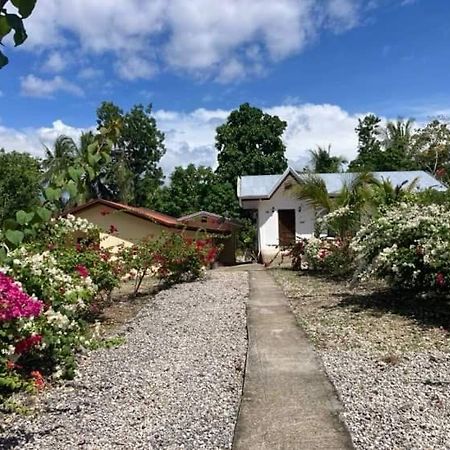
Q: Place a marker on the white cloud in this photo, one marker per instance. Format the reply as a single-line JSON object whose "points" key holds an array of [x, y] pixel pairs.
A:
{"points": [[55, 62], [133, 67], [212, 38], [33, 140], [33, 86]]}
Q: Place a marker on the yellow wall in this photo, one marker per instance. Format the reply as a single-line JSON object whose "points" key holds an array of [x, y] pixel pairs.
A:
{"points": [[131, 229]]}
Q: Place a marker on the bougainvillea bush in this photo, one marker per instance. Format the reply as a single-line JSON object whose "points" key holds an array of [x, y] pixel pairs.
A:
{"points": [[408, 246], [68, 272], [171, 258], [328, 255]]}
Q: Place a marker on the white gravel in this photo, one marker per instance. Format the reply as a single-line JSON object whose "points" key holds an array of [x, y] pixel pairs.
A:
{"points": [[175, 384], [399, 404]]}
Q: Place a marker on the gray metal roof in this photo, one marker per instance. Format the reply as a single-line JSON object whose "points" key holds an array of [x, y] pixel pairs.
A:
{"points": [[263, 186]]}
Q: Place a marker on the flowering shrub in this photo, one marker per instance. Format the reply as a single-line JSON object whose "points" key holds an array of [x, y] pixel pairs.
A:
{"points": [[342, 222], [17, 336], [68, 271], [171, 258], [409, 246], [331, 256]]}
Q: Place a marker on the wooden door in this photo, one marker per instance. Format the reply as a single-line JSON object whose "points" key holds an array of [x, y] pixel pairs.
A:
{"points": [[286, 227]]}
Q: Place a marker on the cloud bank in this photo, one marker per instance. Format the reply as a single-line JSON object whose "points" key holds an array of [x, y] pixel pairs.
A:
{"points": [[222, 40]]}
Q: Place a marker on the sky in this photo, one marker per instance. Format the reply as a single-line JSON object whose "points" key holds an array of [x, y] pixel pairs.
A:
{"points": [[318, 64]]}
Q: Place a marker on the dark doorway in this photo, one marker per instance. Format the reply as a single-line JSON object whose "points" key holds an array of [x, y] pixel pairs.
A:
{"points": [[286, 227]]}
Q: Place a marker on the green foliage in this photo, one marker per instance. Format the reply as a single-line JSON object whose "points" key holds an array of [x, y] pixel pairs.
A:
{"points": [[194, 189], [172, 258], [187, 192], [20, 183], [134, 170], [383, 148], [14, 22], [61, 188], [343, 210], [249, 143], [431, 149], [323, 162]]}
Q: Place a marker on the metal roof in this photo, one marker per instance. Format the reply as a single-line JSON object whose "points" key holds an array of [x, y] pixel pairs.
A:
{"points": [[263, 186]]}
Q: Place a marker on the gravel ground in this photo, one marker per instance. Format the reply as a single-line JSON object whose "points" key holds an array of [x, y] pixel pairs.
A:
{"points": [[389, 362], [174, 384]]}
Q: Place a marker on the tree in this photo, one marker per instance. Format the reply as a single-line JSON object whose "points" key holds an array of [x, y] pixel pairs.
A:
{"points": [[323, 162], [369, 145], [349, 204], [193, 189], [60, 157], [249, 143], [396, 141], [187, 191], [383, 148], [20, 183], [13, 21], [136, 153], [431, 148]]}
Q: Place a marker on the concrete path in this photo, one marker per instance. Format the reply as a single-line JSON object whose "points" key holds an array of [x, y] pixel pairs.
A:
{"points": [[288, 401]]}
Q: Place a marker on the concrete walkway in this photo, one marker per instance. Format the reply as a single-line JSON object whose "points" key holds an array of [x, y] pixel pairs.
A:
{"points": [[288, 401]]}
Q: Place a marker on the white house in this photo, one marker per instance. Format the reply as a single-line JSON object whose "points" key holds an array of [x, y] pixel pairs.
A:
{"points": [[282, 218]]}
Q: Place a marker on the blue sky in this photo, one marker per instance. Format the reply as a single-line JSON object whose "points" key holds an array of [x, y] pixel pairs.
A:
{"points": [[318, 64]]}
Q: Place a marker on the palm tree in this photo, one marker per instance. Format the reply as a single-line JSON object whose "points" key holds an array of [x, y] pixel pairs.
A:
{"points": [[397, 134], [323, 162], [60, 158], [352, 200], [385, 194]]}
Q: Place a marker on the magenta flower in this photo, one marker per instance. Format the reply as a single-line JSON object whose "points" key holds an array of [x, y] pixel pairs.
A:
{"points": [[82, 270], [14, 302]]}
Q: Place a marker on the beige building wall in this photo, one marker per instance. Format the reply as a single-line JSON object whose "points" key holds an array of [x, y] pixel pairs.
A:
{"points": [[130, 229]]}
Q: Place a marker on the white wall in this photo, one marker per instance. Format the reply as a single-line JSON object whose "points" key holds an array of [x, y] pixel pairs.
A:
{"points": [[268, 219]]}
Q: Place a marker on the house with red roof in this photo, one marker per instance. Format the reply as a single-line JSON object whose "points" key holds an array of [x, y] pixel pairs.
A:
{"points": [[125, 225]]}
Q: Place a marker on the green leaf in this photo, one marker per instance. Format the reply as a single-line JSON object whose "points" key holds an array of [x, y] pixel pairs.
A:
{"points": [[71, 188], [74, 173], [52, 194], [44, 213], [3, 254], [9, 224], [24, 218], [14, 236], [4, 27], [90, 172], [3, 60], [92, 148], [25, 7], [16, 23]]}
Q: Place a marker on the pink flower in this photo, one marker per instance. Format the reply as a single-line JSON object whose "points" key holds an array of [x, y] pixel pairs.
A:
{"points": [[104, 212], [14, 302], [440, 279], [82, 270]]}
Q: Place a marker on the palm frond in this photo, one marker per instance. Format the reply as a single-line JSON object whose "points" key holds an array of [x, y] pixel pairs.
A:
{"points": [[312, 189]]}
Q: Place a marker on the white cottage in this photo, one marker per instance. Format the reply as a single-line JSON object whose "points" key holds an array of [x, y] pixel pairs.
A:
{"points": [[283, 219]]}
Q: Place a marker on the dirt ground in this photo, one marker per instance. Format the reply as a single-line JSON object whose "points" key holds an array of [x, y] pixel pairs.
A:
{"points": [[366, 316]]}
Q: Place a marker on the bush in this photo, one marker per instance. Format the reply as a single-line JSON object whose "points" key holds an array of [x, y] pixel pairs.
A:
{"points": [[172, 258], [67, 270], [330, 256], [409, 247]]}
